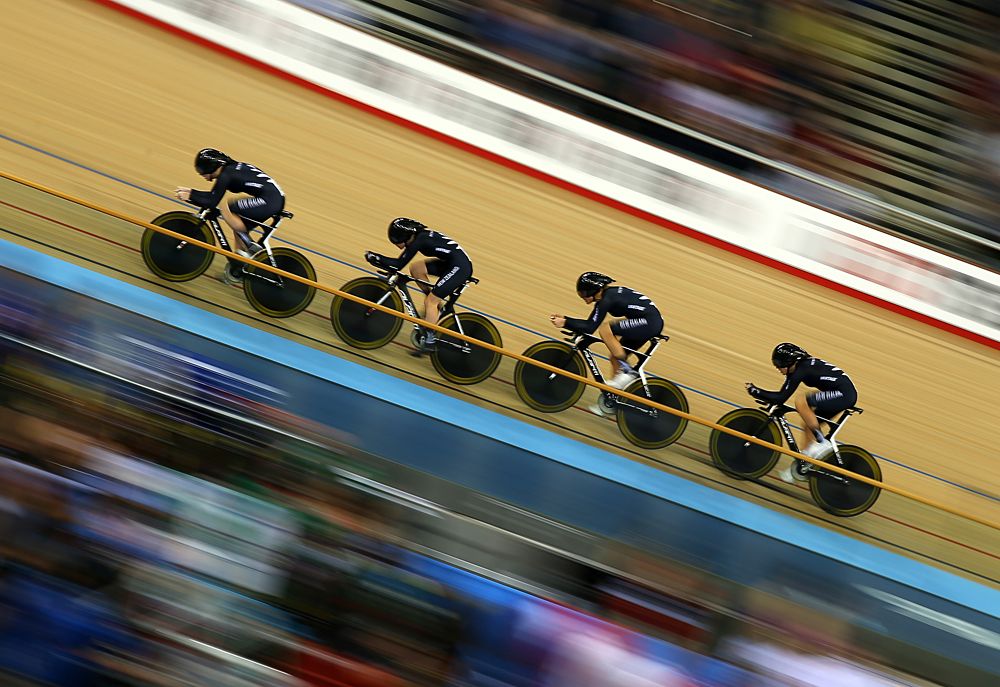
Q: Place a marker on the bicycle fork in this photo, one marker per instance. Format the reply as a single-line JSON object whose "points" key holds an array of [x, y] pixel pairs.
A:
{"points": [[589, 359]]}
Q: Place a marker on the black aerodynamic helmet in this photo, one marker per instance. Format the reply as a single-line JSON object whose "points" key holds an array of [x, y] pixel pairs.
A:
{"points": [[209, 159], [589, 283], [787, 354], [402, 229]]}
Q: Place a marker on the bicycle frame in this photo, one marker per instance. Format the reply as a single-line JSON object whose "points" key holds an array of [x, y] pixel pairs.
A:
{"points": [[397, 282], [211, 217], [582, 343], [213, 222], [776, 414]]}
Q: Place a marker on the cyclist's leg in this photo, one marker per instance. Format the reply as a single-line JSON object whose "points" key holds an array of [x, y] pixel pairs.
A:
{"points": [[797, 470], [630, 332], [614, 346], [432, 309], [823, 403], [236, 224], [424, 269], [810, 423], [451, 277], [826, 404], [245, 214]]}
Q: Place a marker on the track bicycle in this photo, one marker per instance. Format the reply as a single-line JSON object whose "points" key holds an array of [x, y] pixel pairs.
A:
{"points": [[367, 328], [548, 392], [833, 492], [177, 260]]}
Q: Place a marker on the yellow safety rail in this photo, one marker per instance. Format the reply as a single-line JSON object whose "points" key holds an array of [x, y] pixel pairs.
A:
{"points": [[502, 351]]}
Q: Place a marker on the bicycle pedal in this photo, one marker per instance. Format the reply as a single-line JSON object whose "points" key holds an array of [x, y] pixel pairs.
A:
{"points": [[797, 471], [230, 277]]}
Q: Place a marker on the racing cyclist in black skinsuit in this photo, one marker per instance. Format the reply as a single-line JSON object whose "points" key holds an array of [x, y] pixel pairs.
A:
{"points": [[641, 321], [266, 199], [446, 260], [835, 393]]}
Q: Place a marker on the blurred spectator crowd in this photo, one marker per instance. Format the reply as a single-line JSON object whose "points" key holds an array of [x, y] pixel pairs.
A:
{"points": [[152, 537], [864, 104]]}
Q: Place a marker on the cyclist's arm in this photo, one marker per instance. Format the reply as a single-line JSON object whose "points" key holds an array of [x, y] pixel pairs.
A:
{"points": [[210, 199], [784, 393], [589, 325], [404, 257]]}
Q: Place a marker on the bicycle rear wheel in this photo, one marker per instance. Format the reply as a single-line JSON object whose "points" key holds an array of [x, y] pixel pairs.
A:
{"points": [[461, 362], [362, 326], [740, 458], [841, 495], [547, 391], [648, 427], [167, 258], [274, 295]]}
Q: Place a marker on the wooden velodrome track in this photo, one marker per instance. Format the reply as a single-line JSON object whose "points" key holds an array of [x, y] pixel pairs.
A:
{"points": [[111, 110]]}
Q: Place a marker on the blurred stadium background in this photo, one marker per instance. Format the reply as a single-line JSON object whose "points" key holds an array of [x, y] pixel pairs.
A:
{"points": [[173, 514]]}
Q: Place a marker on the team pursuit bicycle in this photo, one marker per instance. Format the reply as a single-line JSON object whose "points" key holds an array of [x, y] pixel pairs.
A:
{"points": [[833, 492], [177, 260], [365, 327], [548, 392]]}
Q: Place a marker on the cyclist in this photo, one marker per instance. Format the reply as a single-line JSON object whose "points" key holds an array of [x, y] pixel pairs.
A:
{"points": [[266, 199], [835, 392], [639, 322], [446, 261]]}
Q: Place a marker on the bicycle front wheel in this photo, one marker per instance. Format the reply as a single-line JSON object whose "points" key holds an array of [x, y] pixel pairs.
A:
{"points": [[273, 294], [738, 457], [648, 427], [360, 325], [171, 258], [461, 362], [546, 391], [843, 496]]}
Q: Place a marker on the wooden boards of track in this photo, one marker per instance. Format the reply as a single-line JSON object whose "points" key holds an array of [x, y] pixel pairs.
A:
{"points": [[141, 102]]}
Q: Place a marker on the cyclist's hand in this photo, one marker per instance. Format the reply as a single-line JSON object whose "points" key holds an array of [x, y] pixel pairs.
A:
{"points": [[559, 321], [373, 259], [182, 193], [753, 390]]}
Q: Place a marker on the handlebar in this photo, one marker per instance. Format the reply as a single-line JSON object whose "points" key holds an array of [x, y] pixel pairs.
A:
{"points": [[579, 339], [396, 277], [393, 277], [775, 409], [205, 211]]}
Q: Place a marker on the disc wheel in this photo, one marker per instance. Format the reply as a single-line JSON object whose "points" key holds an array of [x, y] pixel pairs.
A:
{"points": [[740, 458], [546, 391], [841, 495], [274, 295], [362, 326], [461, 362], [170, 258], [648, 427]]}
